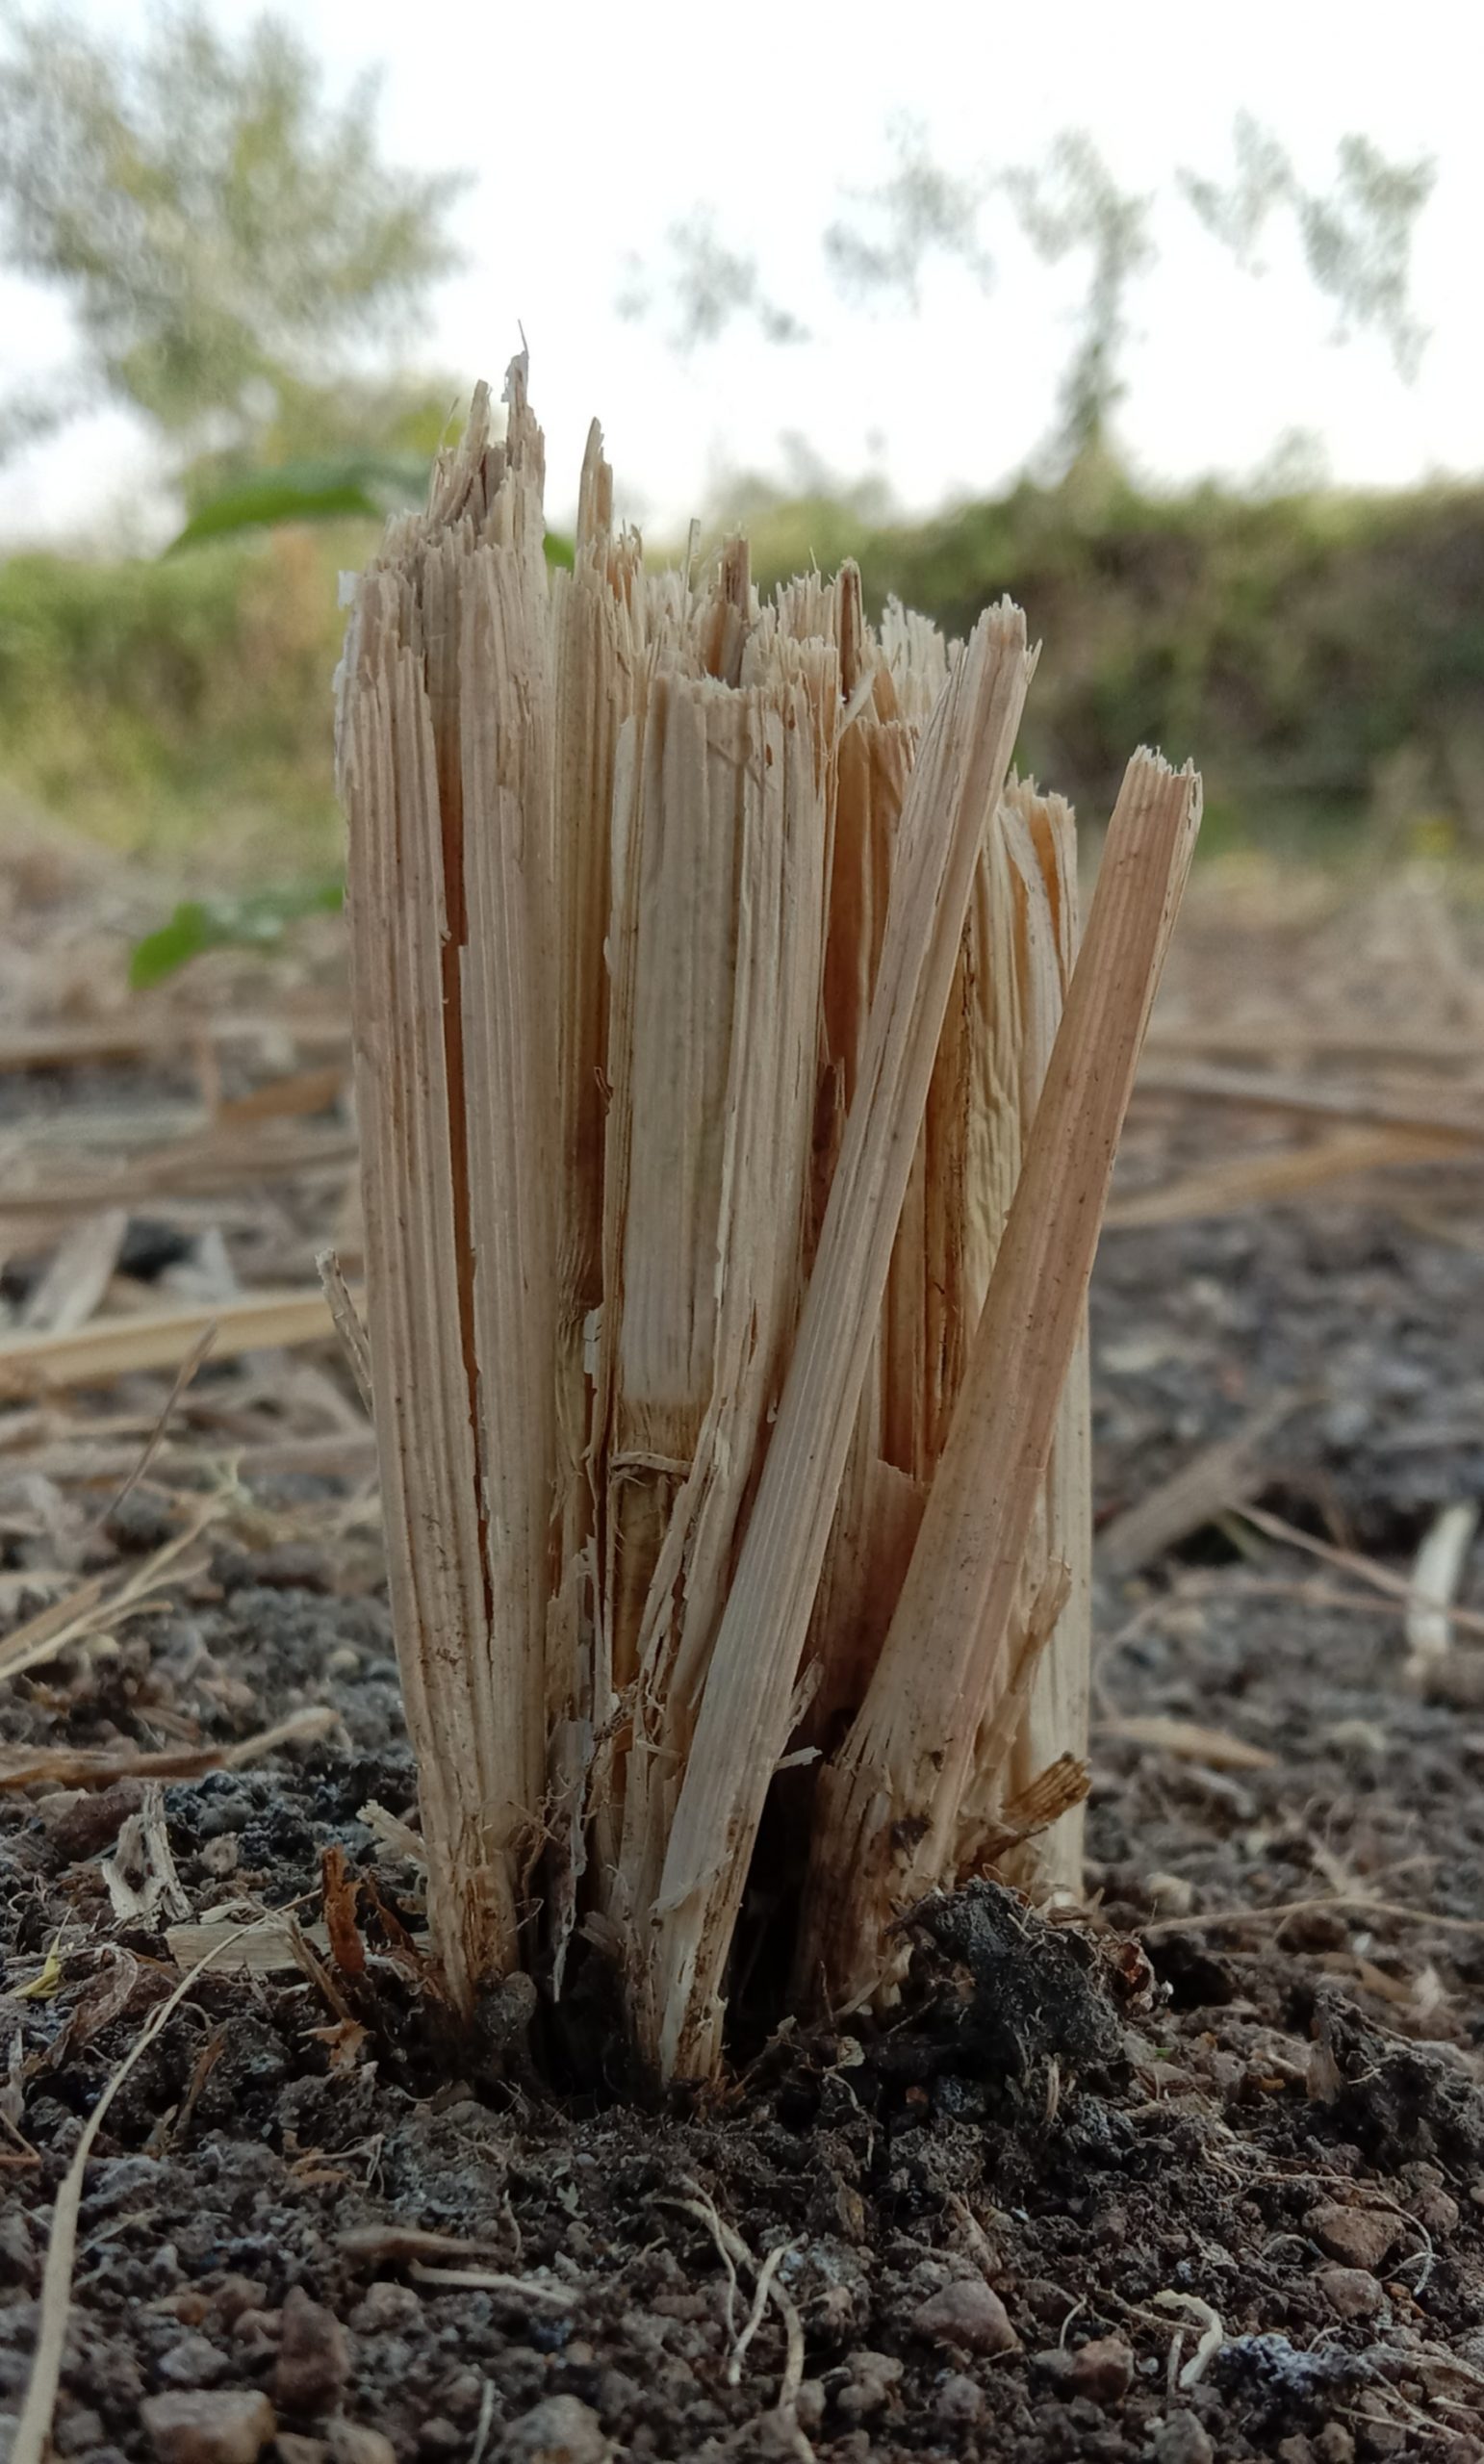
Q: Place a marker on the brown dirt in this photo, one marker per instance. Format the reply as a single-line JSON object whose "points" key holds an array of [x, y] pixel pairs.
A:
{"points": [[1264, 2102], [1222, 2174]]}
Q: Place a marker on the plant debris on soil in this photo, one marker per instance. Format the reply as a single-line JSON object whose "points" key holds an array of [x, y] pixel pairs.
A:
{"points": [[1194, 2170]]}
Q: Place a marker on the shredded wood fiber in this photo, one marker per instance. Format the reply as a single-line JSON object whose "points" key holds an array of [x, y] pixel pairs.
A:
{"points": [[737, 1117]]}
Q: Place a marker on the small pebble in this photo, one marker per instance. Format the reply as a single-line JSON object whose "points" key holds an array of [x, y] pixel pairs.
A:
{"points": [[293, 1565], [558, 2430], [291, 2448], [314, 2356], [1179, 2439], [1352, 2293], [81, 1826], [194, 2363], [873, 2377], [138, 1522], [256, 2332], [1358, 2237], [1101, 2369], [201, 2425], [462, 2396], [960, 2402], [968, 2314], [75, 2432], [1379, 2440], [1437, 2212], [352, 2443], [1359, 1736], [385, 2307], [236, 2293], [18, 2262]]}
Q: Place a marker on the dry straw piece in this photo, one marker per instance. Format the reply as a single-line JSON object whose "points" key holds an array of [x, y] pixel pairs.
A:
{"points": [[737, 1113]]}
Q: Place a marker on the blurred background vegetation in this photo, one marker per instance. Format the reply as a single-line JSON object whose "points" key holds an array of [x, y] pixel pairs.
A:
{"points": [[1325, 654], [244, 269]]}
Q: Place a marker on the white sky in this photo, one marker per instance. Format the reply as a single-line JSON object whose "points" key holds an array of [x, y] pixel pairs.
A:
{"points": [[591, 128]]}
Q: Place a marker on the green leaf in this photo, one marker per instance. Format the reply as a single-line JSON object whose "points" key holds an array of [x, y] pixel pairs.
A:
{"points": [[365, 486], [255, 922], [368, 485]]}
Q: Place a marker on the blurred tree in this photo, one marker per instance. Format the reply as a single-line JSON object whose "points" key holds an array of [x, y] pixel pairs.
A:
{"points": [[1075, 203], [918, 212], [1356, 237], [226, 236], [708, 284], [1357, 240]]}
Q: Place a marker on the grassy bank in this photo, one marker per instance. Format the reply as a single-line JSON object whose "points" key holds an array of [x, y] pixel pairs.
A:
{"points": [[180, 708], [1322, 655]]}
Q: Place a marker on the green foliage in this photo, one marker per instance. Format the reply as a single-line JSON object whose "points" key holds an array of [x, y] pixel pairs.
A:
{"points": [[224, 234], [389, 431], [332, 488], [1322, 656], [1300, 648], [256, 923], [179, 704]]}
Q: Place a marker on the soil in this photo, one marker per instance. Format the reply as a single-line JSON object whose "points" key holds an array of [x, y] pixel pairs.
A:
{"points": [[1195, 2172]]}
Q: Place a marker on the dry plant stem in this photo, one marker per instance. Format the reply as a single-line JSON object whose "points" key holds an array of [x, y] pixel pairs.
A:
{"points": [[594, 659], [716, 1176], [1053, 1721], [98, 1767], [1241, 1181], [448, 799], [1272, 1093], [425, 1438], [1276, 1911], [78, 1276], [506, 735], [347, 1319], [1189, 1742], [141, 1029], [1220, 1476], [479, 904], [744, 1717], [886, 1822], [1469, 1621], [70, 1621], [155, 1440], [109, 1348], [1436, 1573]]}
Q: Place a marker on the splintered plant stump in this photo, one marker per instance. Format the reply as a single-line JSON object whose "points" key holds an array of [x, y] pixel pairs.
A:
{"points": [[737, 1112]]}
